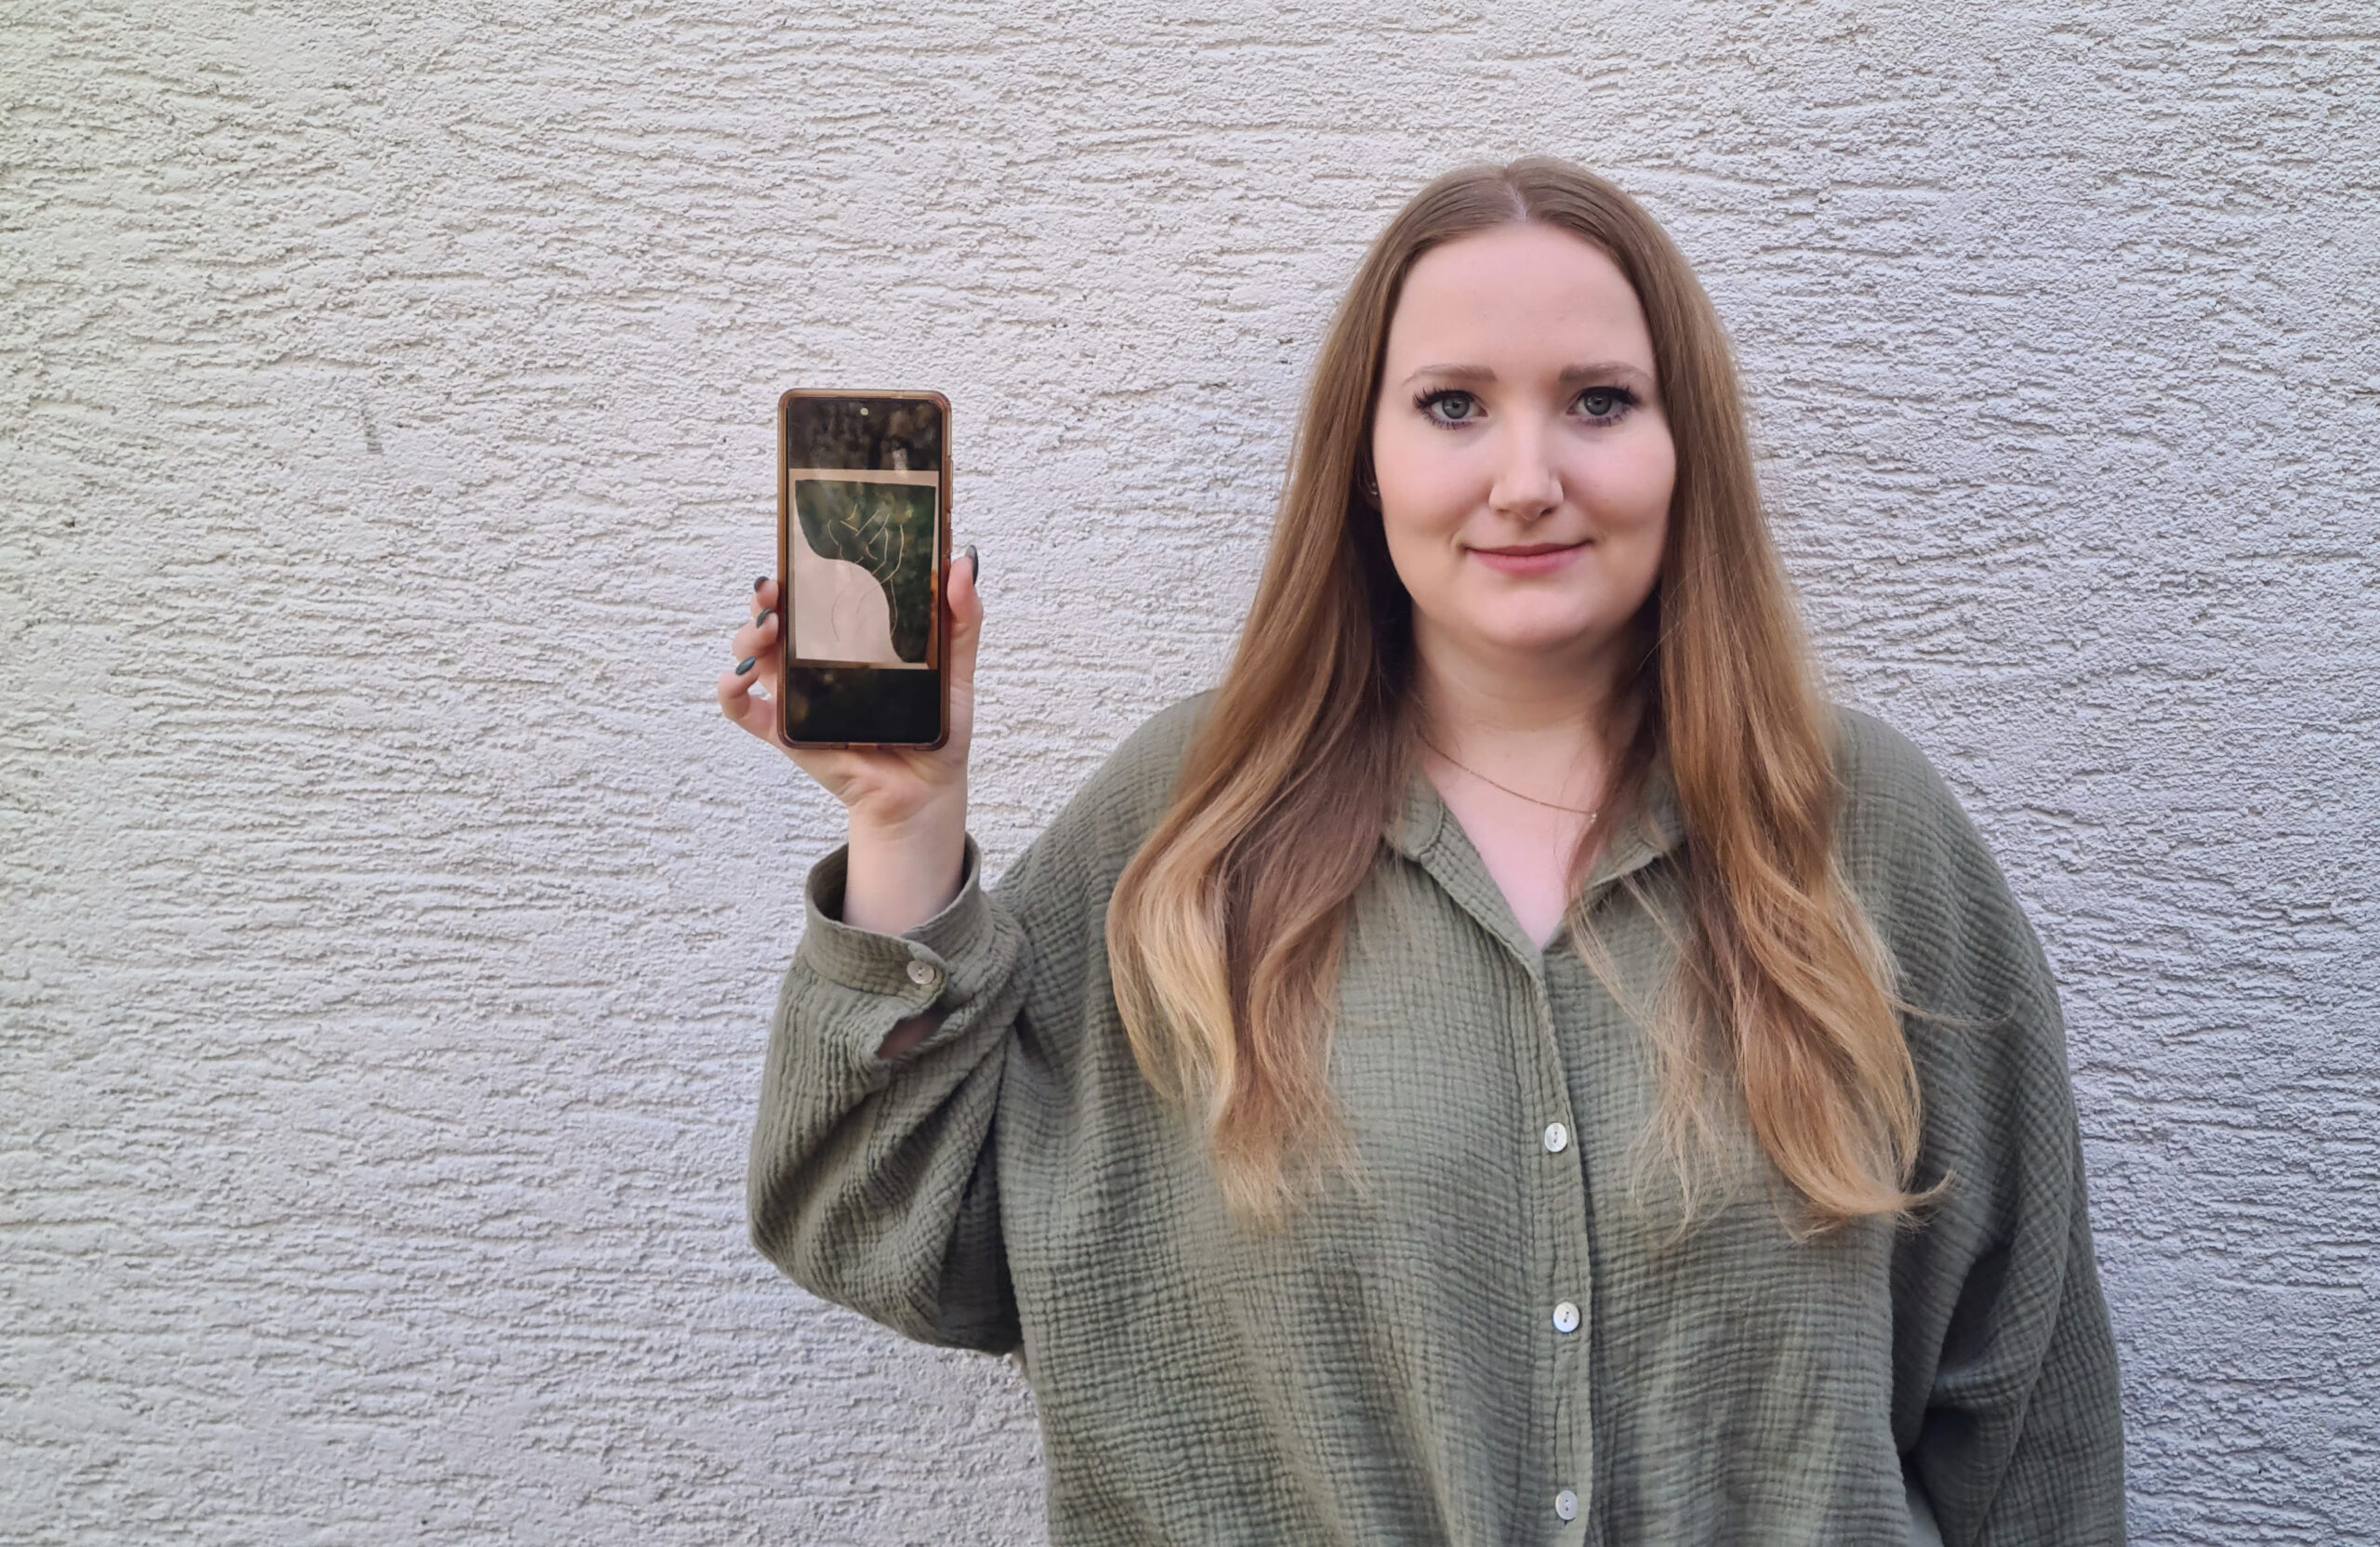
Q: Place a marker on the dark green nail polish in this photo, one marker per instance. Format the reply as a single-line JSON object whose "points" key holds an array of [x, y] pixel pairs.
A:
{"points": [[762, 581], [975, 563], [747, 666], [764, 618]]}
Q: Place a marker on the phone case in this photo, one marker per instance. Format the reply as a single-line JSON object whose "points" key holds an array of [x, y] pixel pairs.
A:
{"points": [[885, 487]]}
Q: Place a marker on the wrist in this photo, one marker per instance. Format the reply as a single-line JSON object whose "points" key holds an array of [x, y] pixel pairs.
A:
{"points": [[935, 822], [901, 873]]}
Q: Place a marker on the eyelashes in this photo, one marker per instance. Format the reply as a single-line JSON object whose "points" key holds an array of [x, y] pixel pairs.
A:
{"points": [[1465, 406], [1450, 406], [1605, 404]]}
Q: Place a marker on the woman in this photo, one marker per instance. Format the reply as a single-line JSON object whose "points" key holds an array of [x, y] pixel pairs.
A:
{"points": [[1512, 1063]]}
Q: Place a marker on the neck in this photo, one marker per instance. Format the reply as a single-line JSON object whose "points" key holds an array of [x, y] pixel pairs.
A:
{"points": [[1553, 707]]}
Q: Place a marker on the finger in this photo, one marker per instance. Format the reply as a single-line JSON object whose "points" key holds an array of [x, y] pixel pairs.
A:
{"points": [[740, 703], [759, 637], [764, 594], [966, 621]]}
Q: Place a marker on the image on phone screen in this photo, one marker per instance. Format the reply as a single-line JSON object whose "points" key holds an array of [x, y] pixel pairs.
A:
{"points": [[863, 530], [863, 557]]}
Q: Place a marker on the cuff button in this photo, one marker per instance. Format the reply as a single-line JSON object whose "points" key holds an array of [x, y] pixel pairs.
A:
{"points": [[922, 974]]}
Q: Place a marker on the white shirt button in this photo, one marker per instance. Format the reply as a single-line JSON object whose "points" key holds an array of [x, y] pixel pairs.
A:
{"points": [[1565, 1318], [1557, 1138], [923, 973], [1565, 1504]]}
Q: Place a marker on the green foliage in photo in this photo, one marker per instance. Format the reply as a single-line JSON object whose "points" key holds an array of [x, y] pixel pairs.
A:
{"points": [[886, 529]]}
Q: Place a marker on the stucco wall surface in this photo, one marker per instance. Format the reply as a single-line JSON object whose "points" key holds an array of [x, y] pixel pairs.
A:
{"points": [[390, 921]]}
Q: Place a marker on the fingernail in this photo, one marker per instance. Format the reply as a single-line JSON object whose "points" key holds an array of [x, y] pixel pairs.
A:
{"points": [[747, 666], [762, 581], [764, 618], [975, 563]]}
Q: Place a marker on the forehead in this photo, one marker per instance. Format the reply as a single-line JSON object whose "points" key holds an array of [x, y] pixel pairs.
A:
{"points": [[1516, 290]]}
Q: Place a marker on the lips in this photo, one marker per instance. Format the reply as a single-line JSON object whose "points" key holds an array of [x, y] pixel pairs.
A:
{"points": [[1529, 550], [1527, 559]]}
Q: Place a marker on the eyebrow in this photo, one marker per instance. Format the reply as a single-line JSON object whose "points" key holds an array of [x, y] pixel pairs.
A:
{"points": [[1483, 375]]}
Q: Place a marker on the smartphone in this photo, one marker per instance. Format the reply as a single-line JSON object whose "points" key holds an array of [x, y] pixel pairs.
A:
{"points": [[863, 555]]}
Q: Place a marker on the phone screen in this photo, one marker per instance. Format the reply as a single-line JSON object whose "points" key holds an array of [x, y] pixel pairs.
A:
{"points": [[861, 532]]}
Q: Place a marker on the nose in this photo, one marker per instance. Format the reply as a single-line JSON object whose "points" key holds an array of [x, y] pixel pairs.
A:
{"points": [[1527, 484]]}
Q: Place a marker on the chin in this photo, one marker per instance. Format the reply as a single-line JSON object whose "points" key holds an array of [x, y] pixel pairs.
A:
{"points": [[1549, 641]]}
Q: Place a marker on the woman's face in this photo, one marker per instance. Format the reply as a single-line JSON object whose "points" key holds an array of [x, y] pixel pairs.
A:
{"points": [[1524, 465]]}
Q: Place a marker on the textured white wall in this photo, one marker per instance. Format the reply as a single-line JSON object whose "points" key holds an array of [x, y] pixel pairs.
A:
{"points": [[391, 920]]}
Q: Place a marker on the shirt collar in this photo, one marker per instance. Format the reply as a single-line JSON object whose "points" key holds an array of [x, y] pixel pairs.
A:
{"points": [[1413, 826], [1425, 832], [1658, 830]]}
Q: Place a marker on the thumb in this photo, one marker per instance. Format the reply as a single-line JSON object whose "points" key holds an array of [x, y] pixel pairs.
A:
{"points": [[966, 622]]}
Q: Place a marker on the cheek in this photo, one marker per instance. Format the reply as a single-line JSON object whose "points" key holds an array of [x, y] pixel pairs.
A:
{"points": [[1640, 572], [1420, 483], [1631, 487], [1629, 493], [1416, 551], [1423, 503]]}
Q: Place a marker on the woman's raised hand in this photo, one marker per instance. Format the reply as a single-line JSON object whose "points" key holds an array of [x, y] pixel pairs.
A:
{"points": [[907, 807]]}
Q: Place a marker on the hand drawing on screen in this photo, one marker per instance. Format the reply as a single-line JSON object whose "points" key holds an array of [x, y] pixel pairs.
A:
{"points": [[841, 611]]}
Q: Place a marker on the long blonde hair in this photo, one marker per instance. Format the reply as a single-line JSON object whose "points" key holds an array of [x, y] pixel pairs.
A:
{"points": [[1225, 932]]}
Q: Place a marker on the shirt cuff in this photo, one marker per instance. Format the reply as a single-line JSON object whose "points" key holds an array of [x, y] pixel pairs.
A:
{"points": [[939, 964]]}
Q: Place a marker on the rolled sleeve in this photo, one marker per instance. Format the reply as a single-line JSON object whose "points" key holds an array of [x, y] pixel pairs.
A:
{"points": [[873, 1181], [859, 983]]}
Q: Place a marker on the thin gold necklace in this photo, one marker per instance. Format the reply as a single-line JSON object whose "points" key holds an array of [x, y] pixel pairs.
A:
{"points": [[1590, 812]]}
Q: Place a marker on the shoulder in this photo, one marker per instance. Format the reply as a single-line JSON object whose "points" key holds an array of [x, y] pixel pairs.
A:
{"points": [[1892, 796], [1979, 997], [1134, 786], [1120, 804], [1923, 871], [1906, 845], [1152, 756]]}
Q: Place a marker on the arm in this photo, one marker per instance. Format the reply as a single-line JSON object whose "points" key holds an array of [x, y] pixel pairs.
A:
{"points": [[2063, 1479], [2005, 1406], [873, 1182], [872, 1179], [2021, 1439]]}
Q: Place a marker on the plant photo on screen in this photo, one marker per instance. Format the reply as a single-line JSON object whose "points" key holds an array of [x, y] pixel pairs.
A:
{"points": [[862, 570]]}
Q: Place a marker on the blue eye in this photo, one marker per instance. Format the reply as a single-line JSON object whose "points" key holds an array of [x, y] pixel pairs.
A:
{"points": [[1448, 406], [1605, 404]]}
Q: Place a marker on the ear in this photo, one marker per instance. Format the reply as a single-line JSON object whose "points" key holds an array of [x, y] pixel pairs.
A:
{"points": [[1367, 482]]}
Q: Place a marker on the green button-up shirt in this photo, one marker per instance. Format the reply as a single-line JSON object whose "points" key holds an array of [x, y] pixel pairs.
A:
{"points": [[1500, 1337]]}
